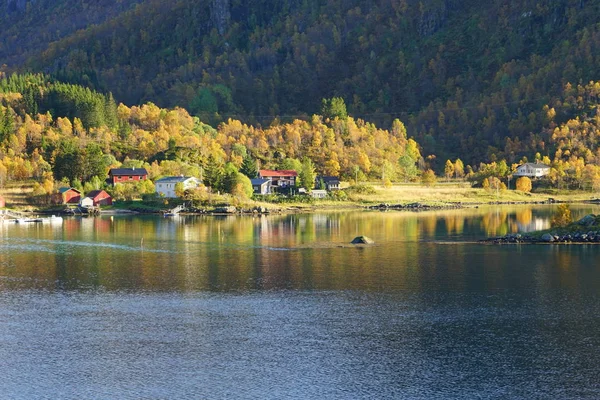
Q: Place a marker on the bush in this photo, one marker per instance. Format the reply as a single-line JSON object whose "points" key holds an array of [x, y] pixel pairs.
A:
{"points": [[428, 178], [524, 184], [360, 189]]}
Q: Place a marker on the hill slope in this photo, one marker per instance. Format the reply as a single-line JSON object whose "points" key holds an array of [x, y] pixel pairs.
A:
{"points": [[464, 75]]}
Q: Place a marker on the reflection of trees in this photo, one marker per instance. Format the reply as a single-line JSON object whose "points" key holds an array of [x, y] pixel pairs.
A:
{"points": [[303, 251]]}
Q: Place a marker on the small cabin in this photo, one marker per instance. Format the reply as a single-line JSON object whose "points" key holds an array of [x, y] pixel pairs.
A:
{"points": [[261, 186], [96, 198], [318, 193], [69, 195], [330, 182]]}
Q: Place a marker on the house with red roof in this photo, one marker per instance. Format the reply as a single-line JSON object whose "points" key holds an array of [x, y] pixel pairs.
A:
{"points": [[69, 195], [279, 178], [122, 175], [96, 198]]}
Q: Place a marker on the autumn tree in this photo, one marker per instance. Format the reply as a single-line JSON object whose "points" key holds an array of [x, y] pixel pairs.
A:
{"points": [[524, 184], [459, 169], [428, 177], [449, 169]]}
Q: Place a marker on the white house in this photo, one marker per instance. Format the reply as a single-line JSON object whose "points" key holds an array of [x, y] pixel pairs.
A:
{"points": [[166, 186], [532, 170], [318, 193]]}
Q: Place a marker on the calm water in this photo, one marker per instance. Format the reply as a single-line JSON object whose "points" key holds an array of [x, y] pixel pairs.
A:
{"points": [[280, 307]]}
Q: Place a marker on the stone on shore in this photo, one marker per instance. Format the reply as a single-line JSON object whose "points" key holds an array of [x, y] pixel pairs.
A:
{"points": [[588, 220], [546, 237]]}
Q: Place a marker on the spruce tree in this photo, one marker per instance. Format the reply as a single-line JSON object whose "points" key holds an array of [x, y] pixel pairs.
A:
{"points": [[249, 167]]}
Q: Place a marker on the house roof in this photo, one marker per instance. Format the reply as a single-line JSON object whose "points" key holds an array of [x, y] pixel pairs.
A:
{"points": [[174, 179], [128, 171], [66, 189], [535, 165], [259, 181], [274, 173], [95, 193], [326, 179]]}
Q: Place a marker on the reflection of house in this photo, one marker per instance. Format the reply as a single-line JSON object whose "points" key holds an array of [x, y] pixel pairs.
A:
{"points": [[166, 186], [120, 175], [96, 198], [279, 179], [331, 182], [69, 195], [318, 194], [261, 186], [532, 170]]}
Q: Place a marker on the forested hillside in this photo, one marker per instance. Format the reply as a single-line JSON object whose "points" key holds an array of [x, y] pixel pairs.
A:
{"points": [[463, 75], [64, 134]]}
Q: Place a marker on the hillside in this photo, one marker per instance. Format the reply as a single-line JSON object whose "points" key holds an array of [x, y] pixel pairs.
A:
{"points": [[463, 75]]}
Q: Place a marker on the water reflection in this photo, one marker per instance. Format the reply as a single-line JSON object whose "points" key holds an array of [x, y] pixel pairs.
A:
{"points": [[300, 251]]}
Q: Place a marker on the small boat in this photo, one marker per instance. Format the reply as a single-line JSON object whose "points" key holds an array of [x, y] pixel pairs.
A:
{"points": [[27, 220], [53, 219]]}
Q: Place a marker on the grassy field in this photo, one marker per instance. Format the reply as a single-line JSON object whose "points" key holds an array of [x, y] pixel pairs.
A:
{"points": [[460, 193], [17, 197]]}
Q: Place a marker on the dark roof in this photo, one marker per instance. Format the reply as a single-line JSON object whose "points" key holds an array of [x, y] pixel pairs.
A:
{"points": [[94, 193], [259, 181], [128, 171], [328, 179], [66, 189]]}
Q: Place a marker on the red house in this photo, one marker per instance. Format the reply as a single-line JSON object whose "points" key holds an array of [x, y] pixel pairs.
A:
{"points": [[96, 198], [70, 195], [120, 175], [279, 178]]}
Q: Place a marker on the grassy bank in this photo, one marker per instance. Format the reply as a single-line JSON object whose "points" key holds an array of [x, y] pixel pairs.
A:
{"points": [[17, 197]]}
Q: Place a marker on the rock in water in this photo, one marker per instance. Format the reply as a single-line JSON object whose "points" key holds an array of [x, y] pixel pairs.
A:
{"points": [[362, 240]]}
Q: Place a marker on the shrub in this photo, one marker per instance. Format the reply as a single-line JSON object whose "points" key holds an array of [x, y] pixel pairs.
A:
{"points": [[428, 178], [524, 184], [361, 189]]}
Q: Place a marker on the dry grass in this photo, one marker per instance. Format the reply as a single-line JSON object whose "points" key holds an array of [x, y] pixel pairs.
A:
{"points": [[17, 194]]}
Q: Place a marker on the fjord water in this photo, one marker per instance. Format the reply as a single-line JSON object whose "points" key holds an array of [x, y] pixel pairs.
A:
{"points": [[281, 306]]}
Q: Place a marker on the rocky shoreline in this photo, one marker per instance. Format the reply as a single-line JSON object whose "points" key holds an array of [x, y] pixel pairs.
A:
{"points": [[415, 207], [586, 230]]}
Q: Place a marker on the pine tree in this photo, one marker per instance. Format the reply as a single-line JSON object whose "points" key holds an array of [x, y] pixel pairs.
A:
{"points": [[249, 167]]}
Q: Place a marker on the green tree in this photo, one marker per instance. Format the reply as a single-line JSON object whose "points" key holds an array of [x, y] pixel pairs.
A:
{"points": [[249, 167], [334, 108], [67, 161], [307, 175], [214, 173], [407, 168]]}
